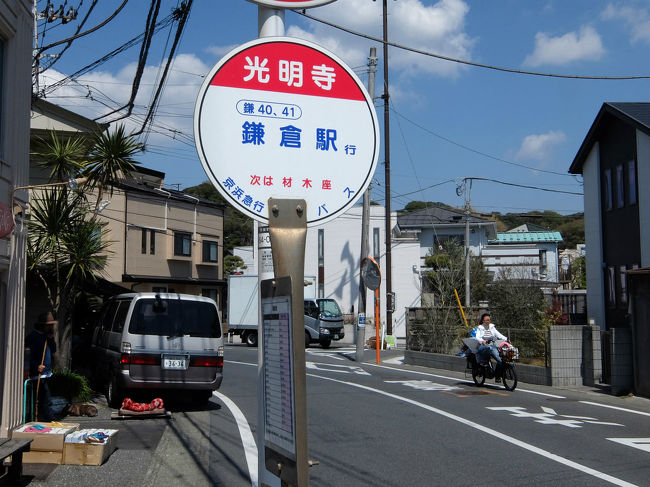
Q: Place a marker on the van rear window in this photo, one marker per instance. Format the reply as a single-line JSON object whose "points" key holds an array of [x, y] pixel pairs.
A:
{"points": [[175, 317]]}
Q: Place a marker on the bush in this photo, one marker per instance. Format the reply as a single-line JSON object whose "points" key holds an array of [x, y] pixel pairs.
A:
{"points": [[70, 385]]}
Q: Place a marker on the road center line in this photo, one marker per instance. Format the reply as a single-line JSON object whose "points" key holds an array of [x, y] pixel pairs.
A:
{"points": [[501, 436], [247, 439]]}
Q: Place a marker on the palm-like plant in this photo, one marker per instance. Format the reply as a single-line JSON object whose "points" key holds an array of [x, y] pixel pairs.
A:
{"points": [[111, 158], [66, 247], [61, 156]]}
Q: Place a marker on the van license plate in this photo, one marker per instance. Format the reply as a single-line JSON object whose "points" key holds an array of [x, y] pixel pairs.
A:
{"points": [[174, 363]]}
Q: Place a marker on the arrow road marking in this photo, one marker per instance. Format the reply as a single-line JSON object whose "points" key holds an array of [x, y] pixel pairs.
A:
{"points": [[640, 443], [488, 431], [423, 385], [549, 416], [343, 369]]}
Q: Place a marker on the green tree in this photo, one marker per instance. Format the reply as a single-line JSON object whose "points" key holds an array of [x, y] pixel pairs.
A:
{"points": [[579, 273], [66, 246], [111, 157], [232, 264], [63, 157]]}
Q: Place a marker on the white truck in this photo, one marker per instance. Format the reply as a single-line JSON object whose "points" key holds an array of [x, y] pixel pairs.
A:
{"points": [[323, 317]]}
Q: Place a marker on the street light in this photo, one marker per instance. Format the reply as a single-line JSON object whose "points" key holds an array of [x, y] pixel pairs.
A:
{"points": [[72, 183]]}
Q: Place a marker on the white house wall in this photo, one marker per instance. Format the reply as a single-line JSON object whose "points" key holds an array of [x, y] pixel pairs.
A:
{"points": [[342, 250], [522, 259], [643, 171], [477, 239], [593, 235]]}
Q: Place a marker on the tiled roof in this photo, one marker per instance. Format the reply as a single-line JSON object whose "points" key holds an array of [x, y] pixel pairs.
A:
{"points": [[527, 237]]}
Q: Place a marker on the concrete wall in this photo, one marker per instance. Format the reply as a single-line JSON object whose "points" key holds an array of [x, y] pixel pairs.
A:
{"points": [[565, 343], [622, 379]]}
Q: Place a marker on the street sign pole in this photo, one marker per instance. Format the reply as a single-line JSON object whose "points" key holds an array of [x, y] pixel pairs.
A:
{"points": [[288, 231]]}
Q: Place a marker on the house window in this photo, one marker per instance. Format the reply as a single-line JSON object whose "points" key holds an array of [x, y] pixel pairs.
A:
{"points": [[144, 241], [620, 189], [623, 290], [631, 182], [608, 189], [152, 242], [611, 287], [182, 244], [543, 262], [210, 249], [210, 293]]}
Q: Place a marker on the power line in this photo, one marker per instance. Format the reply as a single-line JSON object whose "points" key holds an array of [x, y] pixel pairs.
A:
{"points": [[475, 151], [469, 63]]}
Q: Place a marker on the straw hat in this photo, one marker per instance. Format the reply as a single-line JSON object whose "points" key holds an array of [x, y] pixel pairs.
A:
{"points": [[46, 319]]}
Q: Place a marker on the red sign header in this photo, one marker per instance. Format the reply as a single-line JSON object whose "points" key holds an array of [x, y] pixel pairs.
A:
{"points": [[288, 67]]}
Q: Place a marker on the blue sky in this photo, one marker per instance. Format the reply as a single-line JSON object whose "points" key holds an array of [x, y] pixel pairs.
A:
{"points": [[448, 120]]}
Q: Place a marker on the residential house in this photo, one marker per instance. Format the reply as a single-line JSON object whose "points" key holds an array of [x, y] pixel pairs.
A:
{"points": [[162, 239], [333, 254], [16, 24], [526, 252], [614, 161], [436, 225]]}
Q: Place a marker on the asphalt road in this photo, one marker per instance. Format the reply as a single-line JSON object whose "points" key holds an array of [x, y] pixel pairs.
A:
{"points": [[396, 425], [389, 425]]}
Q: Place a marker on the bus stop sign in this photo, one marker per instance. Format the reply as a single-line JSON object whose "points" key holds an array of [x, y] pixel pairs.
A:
{"points": [[280, 117]]}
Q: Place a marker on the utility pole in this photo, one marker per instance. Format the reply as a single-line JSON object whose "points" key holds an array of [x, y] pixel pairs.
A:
{"points": [[360, 333], [468, 191], [385, 96]]}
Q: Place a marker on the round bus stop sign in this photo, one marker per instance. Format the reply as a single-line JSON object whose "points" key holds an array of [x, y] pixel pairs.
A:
{"points": [[283, 118], [292, 4]]}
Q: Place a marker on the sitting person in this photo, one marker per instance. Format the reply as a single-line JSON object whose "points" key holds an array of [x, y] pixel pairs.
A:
{"points": [[486, 333]]}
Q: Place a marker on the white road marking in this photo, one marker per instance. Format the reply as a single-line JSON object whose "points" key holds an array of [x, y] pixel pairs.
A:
{"points": [[247, 438], [549, 416], [342, 369], [501, 436], [423, 385], [615, 407], [640, 443], [519, 389]]}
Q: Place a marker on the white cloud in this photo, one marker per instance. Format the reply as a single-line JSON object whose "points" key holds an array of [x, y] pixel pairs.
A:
{"points": [[565, 49], [635, 18], [96, 93], [539, 147], [437, 28]]}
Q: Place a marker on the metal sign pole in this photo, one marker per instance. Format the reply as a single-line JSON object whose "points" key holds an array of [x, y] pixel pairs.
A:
{"points": [[288, 231]]}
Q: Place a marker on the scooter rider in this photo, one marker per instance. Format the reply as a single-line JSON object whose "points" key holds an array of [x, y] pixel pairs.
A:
{"points": [[486, 333]]}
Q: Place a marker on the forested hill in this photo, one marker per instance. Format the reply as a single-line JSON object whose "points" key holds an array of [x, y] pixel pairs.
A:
{"points": [[572, 227]]}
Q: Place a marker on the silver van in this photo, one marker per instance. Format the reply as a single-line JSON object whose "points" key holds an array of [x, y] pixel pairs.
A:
{"points": [[323, 322], [158, 341]]}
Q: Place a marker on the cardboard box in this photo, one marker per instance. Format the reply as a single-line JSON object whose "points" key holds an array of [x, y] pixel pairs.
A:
{"points": [[77, 451], [50, 439], [43, 457]]}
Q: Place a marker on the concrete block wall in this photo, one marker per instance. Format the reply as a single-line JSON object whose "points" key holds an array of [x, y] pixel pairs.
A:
{"points": [[622, 377], [566, 355], [592, 369]]}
